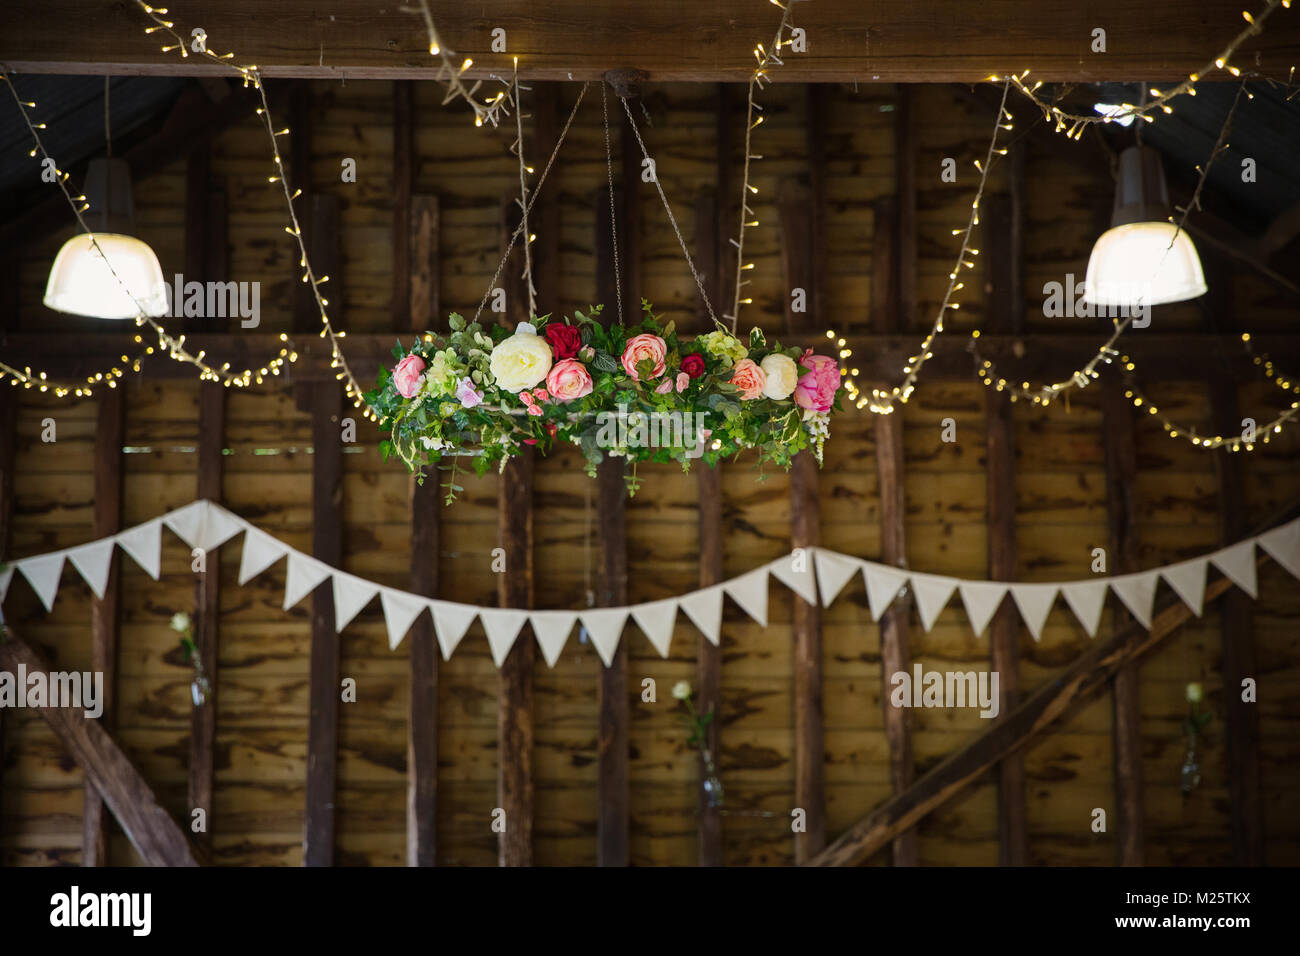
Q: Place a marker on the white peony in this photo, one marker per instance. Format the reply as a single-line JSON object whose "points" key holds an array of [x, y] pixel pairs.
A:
{"points": [[682, 690], [782, 376], [522, 360]]}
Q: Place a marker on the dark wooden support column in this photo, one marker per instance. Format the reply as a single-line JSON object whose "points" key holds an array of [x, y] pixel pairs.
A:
{"points": [[207, 609], [306, 316], [1121, 510], [424, 304], [8, 427], [611, 691], [893, 274], [403, 178], [325, 402], [109, 426], [1004, 303]]}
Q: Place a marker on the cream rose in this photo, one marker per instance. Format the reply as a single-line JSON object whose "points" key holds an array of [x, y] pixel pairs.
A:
{"points": [[782, 376], [520, 361]]}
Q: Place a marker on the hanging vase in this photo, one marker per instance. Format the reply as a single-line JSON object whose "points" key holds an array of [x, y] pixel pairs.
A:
{"points": [[711, 785], [1191, 772]]}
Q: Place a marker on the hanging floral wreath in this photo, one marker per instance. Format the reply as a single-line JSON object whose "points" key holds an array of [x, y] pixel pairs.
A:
{"points": [[637, 392]]}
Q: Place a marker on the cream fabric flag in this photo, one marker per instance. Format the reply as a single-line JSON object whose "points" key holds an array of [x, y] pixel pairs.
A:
{"points": [[144, 544], [1283, 545], [1238, 564], [1138, 592], [704, 608], [304, 575], [94, 561], [400, 611], [219, 526], [450, 622], [833, 572], [351, 594], [1188, 581], [187, 522], [6, 575], [795, 571], [502, 628], [657, 620], [981, 599], [552, 629], [260, 552], [42, 573], [932, 593], [1035, 603], [750, 592], [1086, 600], [605, 626], [883, 584]]}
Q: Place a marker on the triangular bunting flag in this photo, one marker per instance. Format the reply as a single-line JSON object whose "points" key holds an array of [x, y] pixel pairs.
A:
{"points": [[1086, 600], [932, 593], [605, 625], [260, 552], [450, 622], [7, 575], [657, 620], [981, 599], [1138, 592], [502, 626], [750, 592], [94, 561], [219, 526], [1035, 603], [704, 608], [1238, 563], [795, 571], [351, 594], [833, 572], [1188, 581], [144, 545], [883, 585], [304, 575], [552, 629], [187, 522], [400, 611], [42, 573], [1283, 546]]}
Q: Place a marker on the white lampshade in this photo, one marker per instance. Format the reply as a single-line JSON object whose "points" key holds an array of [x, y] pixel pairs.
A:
{"points": [[1134, 264], [82, 282]]}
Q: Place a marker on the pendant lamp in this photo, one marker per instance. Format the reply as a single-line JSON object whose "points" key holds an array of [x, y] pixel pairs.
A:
{"points": [[1143, 259], [107, 273]]}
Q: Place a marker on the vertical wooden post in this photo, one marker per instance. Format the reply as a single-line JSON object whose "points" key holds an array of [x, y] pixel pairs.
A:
{"points": [[1121, 510], [306, 316], [207, 604], [198, 168], [8, 460], [403, 176], [611, 692], [109, 427], [424, 306], [893, 300], [325, 401], [515, 589], [1004, 303]]}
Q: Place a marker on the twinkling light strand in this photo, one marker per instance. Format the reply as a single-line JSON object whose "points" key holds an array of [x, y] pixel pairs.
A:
{"points": [[490, 109], [1073, 124], [524, 170], [171, 346], [766, 60]]}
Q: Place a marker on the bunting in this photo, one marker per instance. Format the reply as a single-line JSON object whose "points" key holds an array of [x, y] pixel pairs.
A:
{"points": [[814, 574]]}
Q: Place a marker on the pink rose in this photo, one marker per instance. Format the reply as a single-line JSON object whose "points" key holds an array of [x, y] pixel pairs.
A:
{"points": [[642, 348], [406, 377], [816, 389], [749, 378], [568, 380], [468, 395], [683, 380], [664, 387], [541, 395], [530, 403]]}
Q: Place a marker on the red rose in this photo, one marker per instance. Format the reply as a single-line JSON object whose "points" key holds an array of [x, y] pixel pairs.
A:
{"points": [[693, 365], [564, 340]]}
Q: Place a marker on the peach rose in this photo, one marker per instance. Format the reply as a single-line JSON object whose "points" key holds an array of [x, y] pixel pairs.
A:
{"points": [[568, 380], [642, 348], [749, 378], [406, 376]]}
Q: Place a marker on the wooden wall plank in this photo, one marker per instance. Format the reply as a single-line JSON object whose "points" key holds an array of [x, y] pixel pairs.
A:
{"points": [[104, 627], [403, 176], [306, 315], [1121, 511], [207, 609], [425, 294]]}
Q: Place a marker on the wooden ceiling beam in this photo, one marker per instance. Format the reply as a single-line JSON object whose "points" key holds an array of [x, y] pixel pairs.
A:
{"points": [[886, 41]]}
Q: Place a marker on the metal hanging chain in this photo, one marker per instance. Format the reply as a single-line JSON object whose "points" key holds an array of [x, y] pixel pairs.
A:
{"points": [[613, 222], [513, 238], [699, 283]]}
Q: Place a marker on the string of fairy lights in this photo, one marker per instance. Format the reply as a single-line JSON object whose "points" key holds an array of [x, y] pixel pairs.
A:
{"points": [[168, 344], [489, 110]]}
